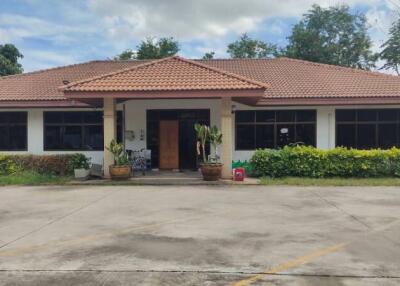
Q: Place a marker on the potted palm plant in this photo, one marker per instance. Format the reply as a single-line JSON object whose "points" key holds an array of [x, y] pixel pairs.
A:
{"points": [[211, 167], [121, 169]]}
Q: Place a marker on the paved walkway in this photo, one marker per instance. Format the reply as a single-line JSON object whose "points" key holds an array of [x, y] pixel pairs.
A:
{"points": [[199, 235]]}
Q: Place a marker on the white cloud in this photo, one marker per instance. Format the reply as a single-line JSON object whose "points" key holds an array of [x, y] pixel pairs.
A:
{"points": [[187, 20], [39, 59], [18, 27]]}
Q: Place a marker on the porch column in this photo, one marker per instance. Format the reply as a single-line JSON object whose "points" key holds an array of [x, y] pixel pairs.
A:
{"points": [[226, 130], [109, 125]]}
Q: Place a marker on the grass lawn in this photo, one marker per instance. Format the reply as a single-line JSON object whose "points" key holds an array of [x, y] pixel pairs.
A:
{"points": [[32, 178], [331, 181]]}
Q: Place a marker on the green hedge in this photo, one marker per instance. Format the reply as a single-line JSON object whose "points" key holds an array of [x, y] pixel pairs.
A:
{"points": [[42, 164], [304, 161]]}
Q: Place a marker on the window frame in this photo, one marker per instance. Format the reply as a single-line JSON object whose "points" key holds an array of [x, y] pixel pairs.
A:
{"points": [[275, 124], [9, 125], [356, 123], [82, 126]]}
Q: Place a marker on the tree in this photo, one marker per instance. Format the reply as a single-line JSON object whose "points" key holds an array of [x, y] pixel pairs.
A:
{"points": [[157, 49], [391, 49], [126, 55], [332, 36], [247, 47], [150, 48], [208, 56], [9, 56]]}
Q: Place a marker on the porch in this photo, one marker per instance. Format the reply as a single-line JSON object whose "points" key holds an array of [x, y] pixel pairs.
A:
{"points": [[168, 80]]}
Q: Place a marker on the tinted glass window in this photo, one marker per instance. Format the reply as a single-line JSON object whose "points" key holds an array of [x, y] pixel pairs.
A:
{"points": [[366, 115], [306, 115], [345, 115], [305, 133], [346, 135], [285, 115], [265, 116], [368, 128], [76, 130], [274, 129], [245, 137], [13, 131], [387, 115], [366, 136], [265, 136], [285, 134], [387, 135], [245, 116]]}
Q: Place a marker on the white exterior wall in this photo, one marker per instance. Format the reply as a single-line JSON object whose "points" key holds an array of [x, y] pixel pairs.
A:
{"points": [[135, 120]]}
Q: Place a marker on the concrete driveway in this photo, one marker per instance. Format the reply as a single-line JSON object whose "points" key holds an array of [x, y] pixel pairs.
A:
{"points": [[237, 235]]}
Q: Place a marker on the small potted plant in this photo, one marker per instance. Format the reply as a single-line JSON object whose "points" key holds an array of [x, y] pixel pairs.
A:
{"points": [[121, 169], [80, 164], [211, 168]]}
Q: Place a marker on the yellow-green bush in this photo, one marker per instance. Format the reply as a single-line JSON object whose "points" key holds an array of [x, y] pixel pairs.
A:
{"points": [[305, 161]]}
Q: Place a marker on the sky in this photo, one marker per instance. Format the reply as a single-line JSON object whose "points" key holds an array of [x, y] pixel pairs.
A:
{"points": [[53, 33]]}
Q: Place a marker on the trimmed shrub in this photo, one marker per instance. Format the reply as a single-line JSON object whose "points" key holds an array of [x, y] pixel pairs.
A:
{"points": [[43, 164], [305, 161]]}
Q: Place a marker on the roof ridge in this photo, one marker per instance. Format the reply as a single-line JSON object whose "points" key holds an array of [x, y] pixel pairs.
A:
{"points": [[153, 62], [227, 73], [336, 67]]}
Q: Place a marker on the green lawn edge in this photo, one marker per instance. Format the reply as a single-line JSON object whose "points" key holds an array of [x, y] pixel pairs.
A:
{"points": [[297, 181]]}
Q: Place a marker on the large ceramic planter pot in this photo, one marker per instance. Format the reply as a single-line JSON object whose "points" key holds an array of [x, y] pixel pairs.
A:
{"points": [[211, 172], [120, 172], [81, 174]]}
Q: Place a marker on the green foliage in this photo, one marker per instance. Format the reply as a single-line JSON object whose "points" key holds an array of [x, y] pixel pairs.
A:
{"points": [[202, 137], [79, 161], [9, 56], [120, 156], [391, 49], [41, 164], [126, 55], [151, 48], [157, 49], [32, 178], [332, 36], [207, 134], [247, 47], [208, 56], [306, 161]]}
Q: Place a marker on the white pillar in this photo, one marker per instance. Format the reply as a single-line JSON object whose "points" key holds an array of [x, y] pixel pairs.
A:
{"points": [[110, 131], [35, 131], [326, 136], [226, 129]]}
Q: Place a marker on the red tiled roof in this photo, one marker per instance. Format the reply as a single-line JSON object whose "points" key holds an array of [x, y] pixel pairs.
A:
{"points": [[290, 80], [168, 74], [43, 85]]}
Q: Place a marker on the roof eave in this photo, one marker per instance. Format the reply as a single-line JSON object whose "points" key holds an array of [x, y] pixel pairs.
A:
{"points": [[163, 94]]}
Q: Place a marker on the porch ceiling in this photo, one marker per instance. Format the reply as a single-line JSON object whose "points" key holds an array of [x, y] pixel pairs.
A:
{"points": [[172, 77]]}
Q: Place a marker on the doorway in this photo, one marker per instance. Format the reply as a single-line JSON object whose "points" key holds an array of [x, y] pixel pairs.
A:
{"points": [[184, 139]]}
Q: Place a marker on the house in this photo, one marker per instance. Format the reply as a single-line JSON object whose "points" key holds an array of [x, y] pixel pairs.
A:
{"points": [[153, 104]]}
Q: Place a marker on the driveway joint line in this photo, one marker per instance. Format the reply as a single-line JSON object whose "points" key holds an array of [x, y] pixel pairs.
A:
{"points": [[206, 272]]}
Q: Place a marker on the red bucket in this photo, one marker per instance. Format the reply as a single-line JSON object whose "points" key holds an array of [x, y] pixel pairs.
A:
{"points": [[239, 174]]}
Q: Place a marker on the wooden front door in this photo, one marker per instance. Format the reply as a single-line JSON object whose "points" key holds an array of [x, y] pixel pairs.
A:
{"points": [[169, 144]]}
